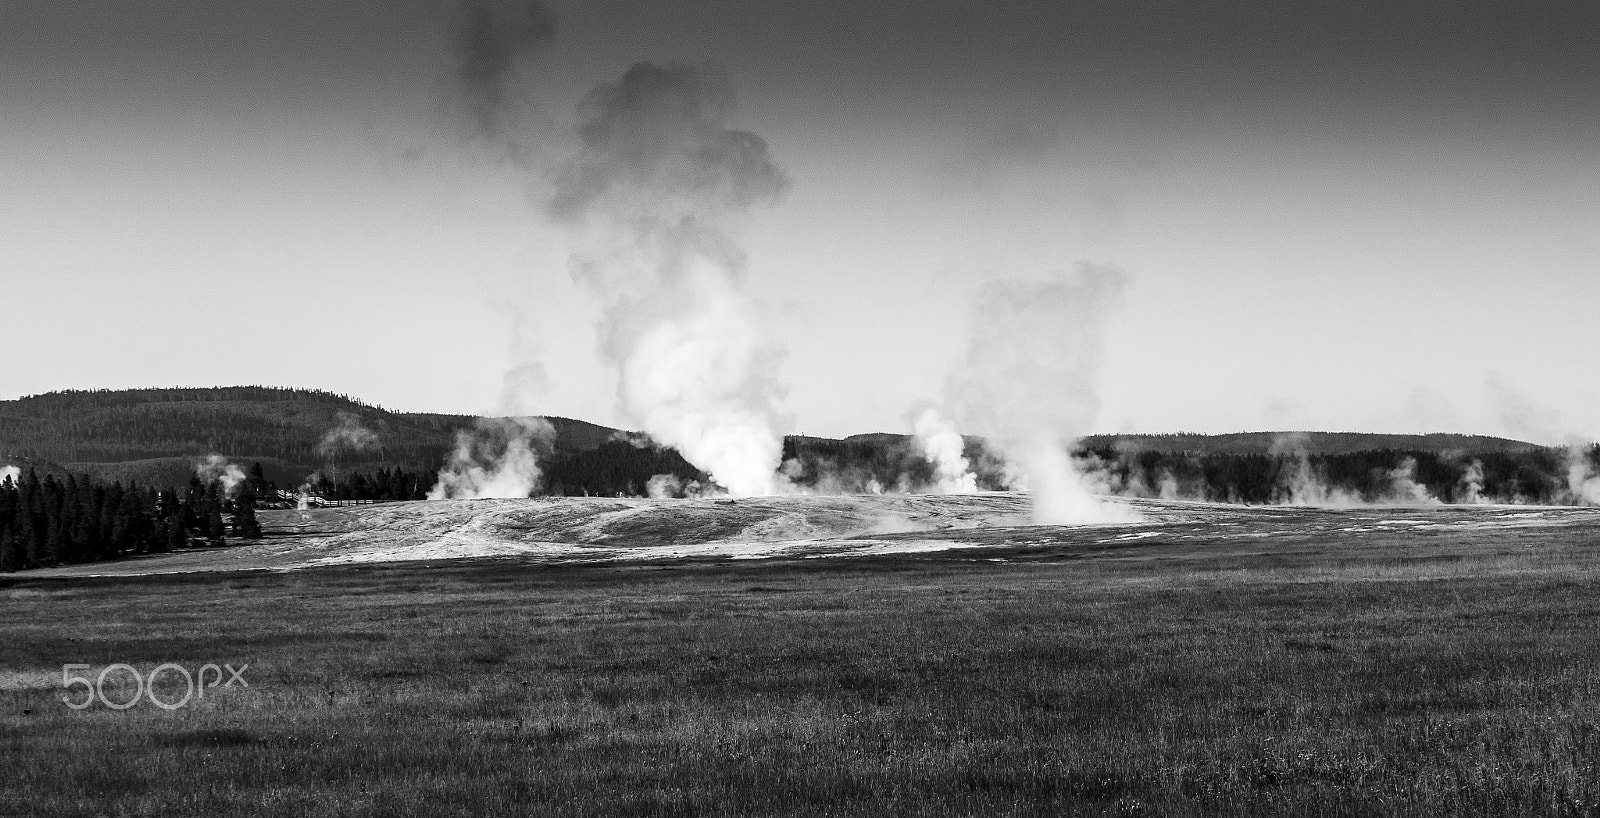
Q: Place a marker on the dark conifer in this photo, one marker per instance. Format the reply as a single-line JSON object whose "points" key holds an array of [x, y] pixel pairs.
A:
{"points": [[11, 554], [57, 542], [30, 520], [245, 524], [178, 529], [214, 527]]}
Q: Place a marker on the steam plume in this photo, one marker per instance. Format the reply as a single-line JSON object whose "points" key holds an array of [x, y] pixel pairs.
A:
{"points": [[1167, 487], [217, 467], [1404, 488], [637, 440], [1583, 483], [489, 37], [1299, 483], [498, 458], [349, 435], [943, 447], [1521, 416], [1469, 489], [651, 196], [1524, 418], [1029, 379], [664, 485]]}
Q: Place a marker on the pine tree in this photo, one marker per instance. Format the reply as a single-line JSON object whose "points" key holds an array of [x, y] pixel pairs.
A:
{"points": [[109, 499], [57, 544], [71, 543], [245, 524], [11, 556], [30, 521], [177, 530], [8, 503], [127, 520], [189, 515], [214, 526]]}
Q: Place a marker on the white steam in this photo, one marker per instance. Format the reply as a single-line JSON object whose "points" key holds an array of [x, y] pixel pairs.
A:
{"points": [[1404, 488], [1301, 484], [498, 458], [216, 467], [637, 440], [942, 446], [1469, 489], [348, 435], [1583, 482], [1524, 418], [662, 486], [1029, 380], [651, 198], [1167, 487]]}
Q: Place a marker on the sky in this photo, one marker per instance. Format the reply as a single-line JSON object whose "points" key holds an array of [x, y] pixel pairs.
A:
{"points": [[1332, 215]]}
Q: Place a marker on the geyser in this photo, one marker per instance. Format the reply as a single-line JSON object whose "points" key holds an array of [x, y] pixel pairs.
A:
{"points": [[652, 198], [217, 468], [498, 458], [942, 445], [1029, 378]]}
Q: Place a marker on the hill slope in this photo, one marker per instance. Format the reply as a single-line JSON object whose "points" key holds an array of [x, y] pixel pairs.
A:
{"points": [[156, 435]]}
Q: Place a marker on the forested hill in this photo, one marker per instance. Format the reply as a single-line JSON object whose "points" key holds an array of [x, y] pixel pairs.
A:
{"points": [[155, 435]]}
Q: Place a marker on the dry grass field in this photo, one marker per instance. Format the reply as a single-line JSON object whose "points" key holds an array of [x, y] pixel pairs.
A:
{"points": [[1264, 663]]}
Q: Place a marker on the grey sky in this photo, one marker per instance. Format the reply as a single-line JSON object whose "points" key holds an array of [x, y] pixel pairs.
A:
{"points": [[1334, 215]]}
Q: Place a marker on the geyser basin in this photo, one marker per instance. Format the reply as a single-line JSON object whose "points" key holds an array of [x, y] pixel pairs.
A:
{"points": [[971, 526]]}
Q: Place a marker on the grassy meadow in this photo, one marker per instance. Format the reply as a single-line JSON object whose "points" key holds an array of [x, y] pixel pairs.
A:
{"points": [[943, 685]]}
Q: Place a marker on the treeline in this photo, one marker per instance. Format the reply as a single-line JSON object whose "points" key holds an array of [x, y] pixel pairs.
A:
{"points": [[1536, 475], [1539, 476], [1308, 442], [888, 464], [612, 468], [615, 467], [49, 522], [858, 466], [382, 485], [72, 400], [620, 467]]}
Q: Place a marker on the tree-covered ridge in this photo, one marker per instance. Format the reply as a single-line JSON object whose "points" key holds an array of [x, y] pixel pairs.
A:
{"points": [[77, 399], [616, 467], [294, 431], [285, 424]]}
